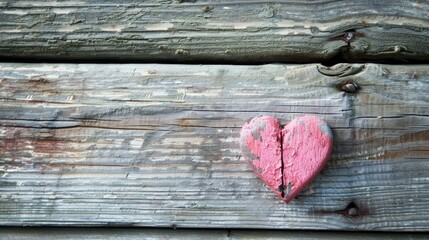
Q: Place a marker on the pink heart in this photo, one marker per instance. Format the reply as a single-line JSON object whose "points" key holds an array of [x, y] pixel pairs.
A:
{"points": [[286, 160]]}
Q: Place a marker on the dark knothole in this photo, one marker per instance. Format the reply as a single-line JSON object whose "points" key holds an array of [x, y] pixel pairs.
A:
{"points": [[352, 210]]}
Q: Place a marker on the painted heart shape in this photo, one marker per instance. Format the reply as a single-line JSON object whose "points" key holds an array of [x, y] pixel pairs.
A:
{"points": [[286, 160]]}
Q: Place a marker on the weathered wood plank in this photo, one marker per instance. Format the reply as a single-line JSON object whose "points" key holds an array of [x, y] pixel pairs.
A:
{"points": [[19, 233], [157, 145], [215, 31]]}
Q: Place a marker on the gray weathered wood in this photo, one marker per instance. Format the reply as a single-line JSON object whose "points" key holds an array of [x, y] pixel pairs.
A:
{"points": [[19, 233], [156, 145], [212, 30]]}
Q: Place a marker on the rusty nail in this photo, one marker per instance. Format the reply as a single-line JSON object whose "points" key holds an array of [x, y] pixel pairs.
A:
{"points": [[348, 36], [349, 86]]}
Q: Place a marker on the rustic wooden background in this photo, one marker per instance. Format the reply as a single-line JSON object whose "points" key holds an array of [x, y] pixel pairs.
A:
{"points": [[55, 233], [215, 31], [155, 145]]}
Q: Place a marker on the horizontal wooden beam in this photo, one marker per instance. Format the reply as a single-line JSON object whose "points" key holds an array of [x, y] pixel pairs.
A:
{"points": [[19, 233], [215, 31], [157, 145]]}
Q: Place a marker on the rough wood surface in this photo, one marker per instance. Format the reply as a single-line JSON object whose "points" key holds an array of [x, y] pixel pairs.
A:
{"points": [[19, 233], [215, 31], [157, 145]]}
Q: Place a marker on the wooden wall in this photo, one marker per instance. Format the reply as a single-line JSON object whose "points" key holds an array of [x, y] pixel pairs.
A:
{"points": [[62, 233], [127, 141], [215, 31], [157, 145]]}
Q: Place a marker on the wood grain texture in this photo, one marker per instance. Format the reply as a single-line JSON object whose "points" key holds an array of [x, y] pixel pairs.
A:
{"points": [[215, 31], [19, 233], [157, 145]]}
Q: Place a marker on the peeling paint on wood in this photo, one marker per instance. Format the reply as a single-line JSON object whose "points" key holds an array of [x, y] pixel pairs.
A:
{"points": [[260, 143], [215, 31], [307, 146], [157, 145], [286, 160]]}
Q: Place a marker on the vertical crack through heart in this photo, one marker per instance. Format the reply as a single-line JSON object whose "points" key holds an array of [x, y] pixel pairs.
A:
{"points": [[306, 144], [282, 187]]}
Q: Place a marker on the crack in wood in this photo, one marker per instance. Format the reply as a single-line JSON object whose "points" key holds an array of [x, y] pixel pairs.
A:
{"points": [[282, 164]]}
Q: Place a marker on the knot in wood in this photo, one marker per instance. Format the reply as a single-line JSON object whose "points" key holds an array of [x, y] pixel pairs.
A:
{"points": [[353, 212]]}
